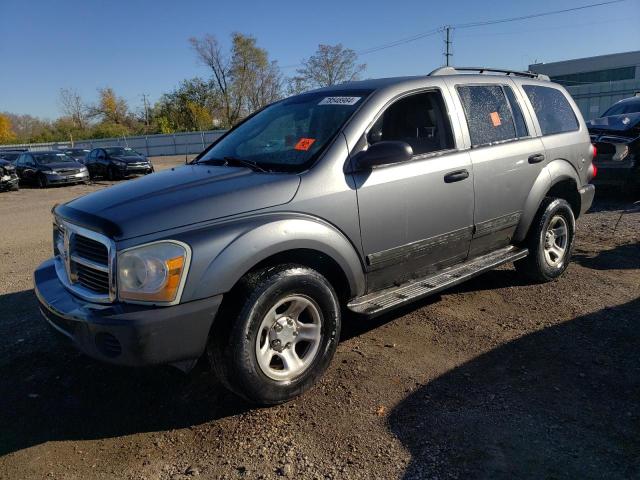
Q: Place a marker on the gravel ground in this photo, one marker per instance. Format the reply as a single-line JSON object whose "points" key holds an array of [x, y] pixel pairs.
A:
{"points": [[497, 378]]}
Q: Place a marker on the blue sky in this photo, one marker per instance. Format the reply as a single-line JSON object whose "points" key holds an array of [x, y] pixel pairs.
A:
{"points": [[139, 46]]}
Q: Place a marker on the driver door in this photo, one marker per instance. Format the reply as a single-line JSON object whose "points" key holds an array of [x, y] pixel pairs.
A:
{"points": [[416, 217]]}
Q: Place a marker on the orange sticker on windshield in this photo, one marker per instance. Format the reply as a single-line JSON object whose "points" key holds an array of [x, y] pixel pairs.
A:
{"points": [[495, 119], [304, 144]]}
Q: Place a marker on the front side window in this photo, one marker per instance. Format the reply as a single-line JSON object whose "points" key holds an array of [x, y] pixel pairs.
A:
{"points": [[290, 134], [552, 108], [488, 114], [121, 152], [418, 120]]}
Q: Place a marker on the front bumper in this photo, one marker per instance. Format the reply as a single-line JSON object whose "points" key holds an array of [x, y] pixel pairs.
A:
{"points": [[123, 334], [586, 197], [59, 179], [9, 184], [129, 169]]}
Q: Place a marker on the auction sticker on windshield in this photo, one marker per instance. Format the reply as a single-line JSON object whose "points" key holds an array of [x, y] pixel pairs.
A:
{"points": [[304, 144], [339, 100]]}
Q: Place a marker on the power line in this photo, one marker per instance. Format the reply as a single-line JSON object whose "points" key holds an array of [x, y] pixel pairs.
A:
{"points": [[534, 15], [435, 31]]}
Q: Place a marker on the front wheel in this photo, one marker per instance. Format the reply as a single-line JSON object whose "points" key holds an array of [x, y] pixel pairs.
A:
{"points": [[42, 181], [282, 337], [550, 241]]}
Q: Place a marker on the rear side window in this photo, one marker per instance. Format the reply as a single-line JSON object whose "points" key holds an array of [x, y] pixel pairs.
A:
{"points": [[554, 112], [518, 118], [488, 114]]}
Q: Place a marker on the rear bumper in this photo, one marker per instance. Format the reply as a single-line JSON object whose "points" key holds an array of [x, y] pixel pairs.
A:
{"points": [[122, 334], [618, 173], [586, 197]]}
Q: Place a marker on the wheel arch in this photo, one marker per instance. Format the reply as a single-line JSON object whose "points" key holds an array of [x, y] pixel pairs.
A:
{"points": [[559, 179], [306, 241]]}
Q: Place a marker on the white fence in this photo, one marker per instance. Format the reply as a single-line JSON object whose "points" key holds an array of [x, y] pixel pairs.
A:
{"points": [[150, 145]]}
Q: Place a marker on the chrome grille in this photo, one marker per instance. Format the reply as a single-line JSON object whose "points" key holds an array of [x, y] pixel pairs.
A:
{"points": [[85, 262]]}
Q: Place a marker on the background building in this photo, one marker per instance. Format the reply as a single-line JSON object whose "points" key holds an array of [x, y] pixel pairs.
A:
{"points": [[596, 83]]}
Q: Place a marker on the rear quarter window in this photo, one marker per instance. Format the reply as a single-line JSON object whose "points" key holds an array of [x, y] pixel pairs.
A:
{"points": [[552, 108]]}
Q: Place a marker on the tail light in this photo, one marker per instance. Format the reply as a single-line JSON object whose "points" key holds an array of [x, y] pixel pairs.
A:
{"points": [[594, 173], [594, 151]]}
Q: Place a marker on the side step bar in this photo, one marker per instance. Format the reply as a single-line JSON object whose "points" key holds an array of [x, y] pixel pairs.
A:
{"points": [[378, 302]]}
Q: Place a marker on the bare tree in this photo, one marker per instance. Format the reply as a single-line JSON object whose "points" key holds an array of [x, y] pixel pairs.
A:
{"points": [[74, 107], [330, 65]]}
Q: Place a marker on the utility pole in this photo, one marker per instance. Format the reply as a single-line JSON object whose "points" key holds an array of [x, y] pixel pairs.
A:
{"points": [[447, 43], [146, 109]]}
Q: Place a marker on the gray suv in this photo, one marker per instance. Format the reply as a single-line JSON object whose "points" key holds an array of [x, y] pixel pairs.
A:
{"points": [[362, 197]]}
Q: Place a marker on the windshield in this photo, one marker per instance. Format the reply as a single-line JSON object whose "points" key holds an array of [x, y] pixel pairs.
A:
{"points": [[47, 158], [289, 135], [622, 108], [121, 151]]}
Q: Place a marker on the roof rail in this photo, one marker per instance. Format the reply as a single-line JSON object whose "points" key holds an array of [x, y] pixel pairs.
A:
{"points": [[455, 70]]}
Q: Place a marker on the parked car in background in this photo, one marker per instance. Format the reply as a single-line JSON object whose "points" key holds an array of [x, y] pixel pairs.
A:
{"points": [[113, 163], [10, 155], [78, 154], [363, 196], [8, 177], [616, 136], [50, 168]]}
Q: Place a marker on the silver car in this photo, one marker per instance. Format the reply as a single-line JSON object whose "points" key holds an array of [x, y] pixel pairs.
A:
{"points": [[364, 197]]}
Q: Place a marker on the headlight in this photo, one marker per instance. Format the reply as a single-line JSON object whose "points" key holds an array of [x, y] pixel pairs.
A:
{"points": [[119, 163], [83, 169], [50, 172], [153, 273]]}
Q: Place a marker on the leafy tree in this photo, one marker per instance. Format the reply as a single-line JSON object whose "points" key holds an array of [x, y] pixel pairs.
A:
{"points": [[7, 135], [110, 107], [193, 105], [329, 65], [244, 79]]}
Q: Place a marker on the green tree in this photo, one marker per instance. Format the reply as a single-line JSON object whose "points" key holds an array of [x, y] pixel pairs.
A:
{"points": [[329, 65], [244, 78]]}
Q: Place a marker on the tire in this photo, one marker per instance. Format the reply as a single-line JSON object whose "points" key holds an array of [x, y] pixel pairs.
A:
{"points": [[262, 300], [549, 253], [42, 181], [15, 187], [111, 174]]}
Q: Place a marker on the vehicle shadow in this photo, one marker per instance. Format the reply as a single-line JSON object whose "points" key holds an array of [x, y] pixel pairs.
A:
{"points": [[620, 257], [49, 391], [558, 403]]}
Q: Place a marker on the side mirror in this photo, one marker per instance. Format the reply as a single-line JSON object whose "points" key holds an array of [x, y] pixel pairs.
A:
{"points": [[383, 153]]}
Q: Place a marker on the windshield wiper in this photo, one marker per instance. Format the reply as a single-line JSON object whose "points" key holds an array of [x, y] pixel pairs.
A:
{"points": [[238, 162]]}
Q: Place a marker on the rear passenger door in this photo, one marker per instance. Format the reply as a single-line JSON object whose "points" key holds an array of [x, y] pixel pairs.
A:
{"points": [[415, 216], [507, 157]]}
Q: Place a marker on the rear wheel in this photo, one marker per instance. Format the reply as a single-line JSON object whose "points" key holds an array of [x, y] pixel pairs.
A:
{"points": [[550, 241], [282, 336]]}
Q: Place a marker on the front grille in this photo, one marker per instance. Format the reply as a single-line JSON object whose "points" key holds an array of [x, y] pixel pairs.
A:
{"points": [[91, 278], [85, 262], [91, 249], [67, 171]]}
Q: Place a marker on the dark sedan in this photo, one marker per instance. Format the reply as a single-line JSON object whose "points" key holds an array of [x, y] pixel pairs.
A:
{"points": [[78, 154], [50, 168], [117, 162], [10, 155], [616, 136]]}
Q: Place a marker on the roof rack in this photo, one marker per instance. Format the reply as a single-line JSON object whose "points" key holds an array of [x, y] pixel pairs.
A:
{"points": [[481, 70]]}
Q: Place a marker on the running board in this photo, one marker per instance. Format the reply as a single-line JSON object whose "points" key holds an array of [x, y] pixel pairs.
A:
{"points": [[378, 302]]}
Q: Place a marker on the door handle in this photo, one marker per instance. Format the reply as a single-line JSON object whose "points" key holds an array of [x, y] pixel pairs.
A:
{"points": [[536, 158], [456, 176]]}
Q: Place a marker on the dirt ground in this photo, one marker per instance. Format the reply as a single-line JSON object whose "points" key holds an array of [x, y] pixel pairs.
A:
{"points": [[497, 378]]}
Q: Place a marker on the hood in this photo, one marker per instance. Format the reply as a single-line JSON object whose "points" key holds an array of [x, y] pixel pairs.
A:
{"points": [[627, 122], [182, 196], [61, 166], [129, 158]]}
